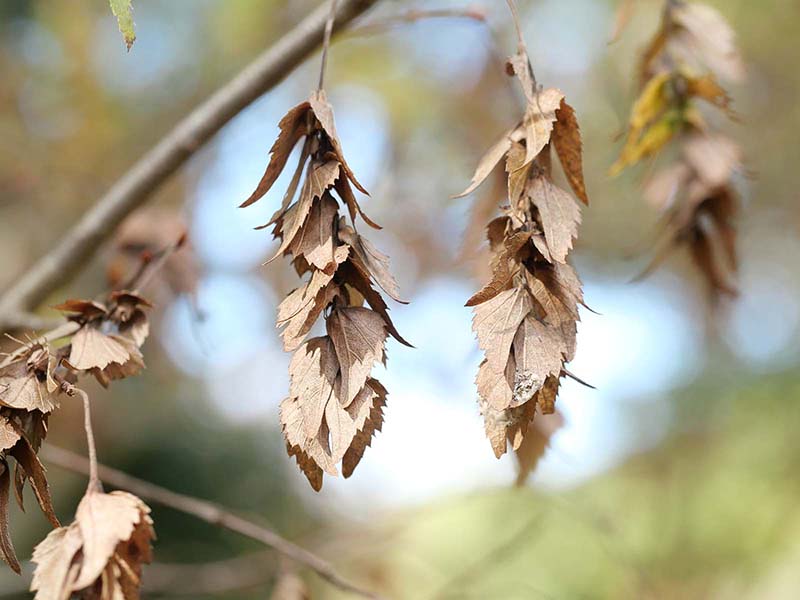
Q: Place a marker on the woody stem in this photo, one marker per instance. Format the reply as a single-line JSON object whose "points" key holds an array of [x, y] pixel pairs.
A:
{"points": [[94, 480], [326, 42]]}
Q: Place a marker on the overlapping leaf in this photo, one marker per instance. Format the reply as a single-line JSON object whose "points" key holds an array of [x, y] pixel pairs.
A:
{"points": [[334, 406], [525, 316], [693, 48], [100, 554]]}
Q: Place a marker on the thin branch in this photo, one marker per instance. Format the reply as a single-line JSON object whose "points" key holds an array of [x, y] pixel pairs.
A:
{"points": [[521, 47], [415, 15], [205, 511], [326, 43], [72, 252], [94, 480]]}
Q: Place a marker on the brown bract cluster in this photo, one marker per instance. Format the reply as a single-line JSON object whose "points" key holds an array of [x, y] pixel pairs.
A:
{"points": [[526, 316], [104, 340], [99, 556], [108, 343], [693, 48], [334, 406]]}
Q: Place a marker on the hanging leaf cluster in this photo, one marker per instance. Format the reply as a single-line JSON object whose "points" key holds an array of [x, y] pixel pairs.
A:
{"points": [[525, 317], [334, 406], [103, 339], [100, 554], [681, 69]]}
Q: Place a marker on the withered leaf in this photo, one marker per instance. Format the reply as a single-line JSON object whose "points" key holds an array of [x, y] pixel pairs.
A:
{"points": [[353, 207], [25, 455], [93, 349], [371, 262], [312, 452], [103, 549], [539, 119], [86, 309], [6, 546], [560, 216], [567, 142], [342, 429], [518, 173], [714, 157], [539, 351], [324, 113], [504, 266], [358, 335], [27, 384], [354, 277], [707, 37], [320, 177], [115, 371], [55, 571], [371, 425], [292, 127], [496, 387], [487, 163], [315, 241], [546, 398], [313, 371], [298, 311], [496, 322]]}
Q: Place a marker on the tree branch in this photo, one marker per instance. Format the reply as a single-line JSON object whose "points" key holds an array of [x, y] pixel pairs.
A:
{"points": [[205, 511], [154, 168]]}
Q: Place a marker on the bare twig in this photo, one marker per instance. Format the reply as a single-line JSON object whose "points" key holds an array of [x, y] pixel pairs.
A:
{"points": [[326, 43], [59, 264], [94, 480], [205, 511], [412, 16], [521, 47]]}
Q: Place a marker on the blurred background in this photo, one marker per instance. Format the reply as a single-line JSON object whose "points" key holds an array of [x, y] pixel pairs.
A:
{"points": [[676, 478]]}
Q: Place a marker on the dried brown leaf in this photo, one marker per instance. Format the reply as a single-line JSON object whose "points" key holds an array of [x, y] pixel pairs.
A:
{"points": [[354, 277], [100, 553], [324, 113], [496, 387], [504, 267], [320, 177], [358, 335], [540, 117], [371, 262], [313, 370], [92, 349], [567, 142], [315, 241], [27, 384], [487, 163], [25, 455], [560, 216], [292, 128], [7, 552], [707, 38], [371, 425], [539, 351], [496, 322]]}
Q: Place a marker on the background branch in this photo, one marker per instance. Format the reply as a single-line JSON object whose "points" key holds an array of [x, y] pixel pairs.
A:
{"points": [[154, 168], [205, 511]]}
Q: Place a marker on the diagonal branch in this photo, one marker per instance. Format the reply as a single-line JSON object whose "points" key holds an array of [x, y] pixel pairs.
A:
{"points": [[154, 168], [205, 511]]}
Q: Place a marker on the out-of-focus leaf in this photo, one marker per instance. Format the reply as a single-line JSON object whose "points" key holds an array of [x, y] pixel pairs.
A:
{"points": [[123, 10]]}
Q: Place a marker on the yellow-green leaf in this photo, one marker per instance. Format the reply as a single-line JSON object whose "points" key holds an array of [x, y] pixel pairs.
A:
{"points": [[123, 10]]}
